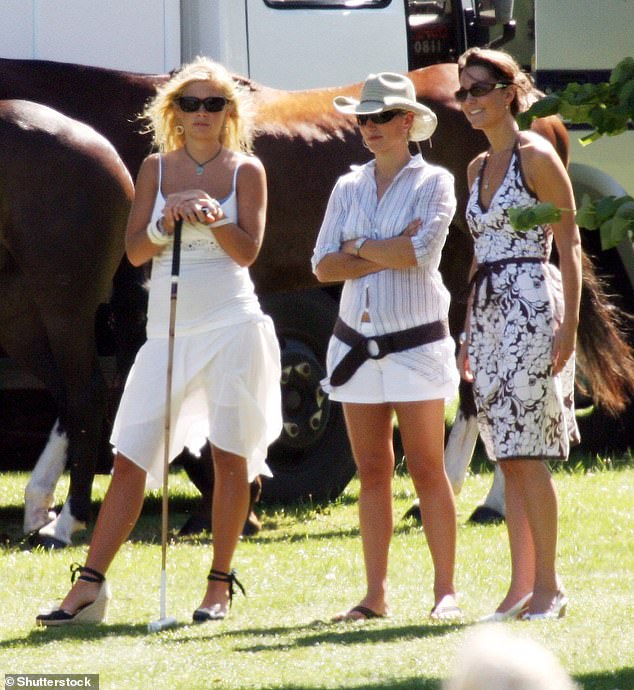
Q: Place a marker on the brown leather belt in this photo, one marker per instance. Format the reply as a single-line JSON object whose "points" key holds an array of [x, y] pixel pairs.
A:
{"points": [[486, 270], [377, 346]]}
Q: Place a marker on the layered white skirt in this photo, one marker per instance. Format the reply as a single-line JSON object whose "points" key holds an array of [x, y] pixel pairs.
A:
{"points": [[225, 389]]}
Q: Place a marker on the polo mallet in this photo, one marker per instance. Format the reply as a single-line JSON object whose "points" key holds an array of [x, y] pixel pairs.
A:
{"points": [[166, 621]]}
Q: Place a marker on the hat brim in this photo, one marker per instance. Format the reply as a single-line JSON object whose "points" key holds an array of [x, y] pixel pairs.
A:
{"points": [[351, 106], [425, 120]]}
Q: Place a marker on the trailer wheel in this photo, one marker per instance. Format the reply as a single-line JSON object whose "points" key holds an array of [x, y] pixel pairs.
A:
{"points": [[312, 459]]}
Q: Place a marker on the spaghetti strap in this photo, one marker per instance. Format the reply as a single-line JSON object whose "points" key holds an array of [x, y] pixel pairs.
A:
{"points": [[235, 179], [160, 176]]}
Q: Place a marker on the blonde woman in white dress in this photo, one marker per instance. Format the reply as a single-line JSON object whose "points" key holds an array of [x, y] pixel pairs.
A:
{"points": [[226, 373]]}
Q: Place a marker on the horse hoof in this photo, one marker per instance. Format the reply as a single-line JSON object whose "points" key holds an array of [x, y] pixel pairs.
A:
{"points": [[34, 521], [47, 542], [413, 512], [251, 526], [483, 515]]}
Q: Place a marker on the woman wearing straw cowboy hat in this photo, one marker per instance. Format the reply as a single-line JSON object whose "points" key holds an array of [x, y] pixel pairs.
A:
{"points": [[383, 232]]}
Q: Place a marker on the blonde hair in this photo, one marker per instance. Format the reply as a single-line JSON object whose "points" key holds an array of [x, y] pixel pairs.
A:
{"points": [[503, 67], [160, 112], [492, 658]]}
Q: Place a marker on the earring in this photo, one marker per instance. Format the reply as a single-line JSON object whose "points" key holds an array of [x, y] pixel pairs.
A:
{"points": [[179, 129]]}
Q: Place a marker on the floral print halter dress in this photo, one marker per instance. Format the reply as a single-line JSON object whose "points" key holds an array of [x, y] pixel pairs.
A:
{"points": [[523, 410]]}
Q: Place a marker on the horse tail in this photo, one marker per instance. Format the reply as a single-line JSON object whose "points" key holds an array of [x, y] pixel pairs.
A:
{"points": [[604, 357]]}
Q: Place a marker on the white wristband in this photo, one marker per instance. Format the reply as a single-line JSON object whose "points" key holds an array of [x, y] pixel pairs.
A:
{"points": [[221, 222], [157, 235]]}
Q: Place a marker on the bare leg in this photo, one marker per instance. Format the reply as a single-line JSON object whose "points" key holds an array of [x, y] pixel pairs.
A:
{"points": [[422, 429], [119, 513], [520, 538], [370, 431], [536, 502], [229, 506]]}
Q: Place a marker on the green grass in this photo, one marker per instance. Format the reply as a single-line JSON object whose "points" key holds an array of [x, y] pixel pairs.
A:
{"points": [[301, 568]]}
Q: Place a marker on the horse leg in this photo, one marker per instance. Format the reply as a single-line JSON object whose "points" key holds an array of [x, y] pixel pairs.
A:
{"points": [[39, 494], [492, 510], [81, 418], [24, 338]]}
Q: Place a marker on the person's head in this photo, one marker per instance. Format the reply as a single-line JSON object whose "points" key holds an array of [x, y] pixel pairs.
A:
{"points": [[385, 97], [200, 85], [483, 71], [492, 658]]}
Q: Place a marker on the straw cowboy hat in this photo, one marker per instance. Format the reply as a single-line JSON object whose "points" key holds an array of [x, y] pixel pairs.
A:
{"points": [[390, 91]]}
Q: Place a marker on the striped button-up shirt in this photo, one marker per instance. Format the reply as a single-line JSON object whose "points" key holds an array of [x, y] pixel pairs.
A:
{"points": [[395, 299]]}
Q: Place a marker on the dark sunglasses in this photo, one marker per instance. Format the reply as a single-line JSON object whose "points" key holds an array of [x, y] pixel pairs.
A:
{"points": [[191, 104], [378, 118], [480, 88]]}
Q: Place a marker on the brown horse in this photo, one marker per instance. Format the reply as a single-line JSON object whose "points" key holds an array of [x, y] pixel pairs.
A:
{"points": [[305, 145], [64, 199]]}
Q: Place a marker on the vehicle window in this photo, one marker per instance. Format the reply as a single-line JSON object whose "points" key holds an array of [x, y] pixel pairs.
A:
{"points": [[429, 6], [326, 4]]}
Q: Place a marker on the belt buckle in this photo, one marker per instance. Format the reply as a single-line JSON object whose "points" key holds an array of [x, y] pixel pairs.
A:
{"points": [[372, 348]]}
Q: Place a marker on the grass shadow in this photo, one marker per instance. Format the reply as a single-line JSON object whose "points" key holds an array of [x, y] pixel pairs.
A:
{"points": [[618, 678], [84, 633], [350, 633]]}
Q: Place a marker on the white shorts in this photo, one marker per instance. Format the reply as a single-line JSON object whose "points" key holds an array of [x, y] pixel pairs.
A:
{"points": [[386, 380]]}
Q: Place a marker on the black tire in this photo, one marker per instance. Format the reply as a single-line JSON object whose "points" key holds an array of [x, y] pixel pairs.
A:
{"points": [[312, 459]]}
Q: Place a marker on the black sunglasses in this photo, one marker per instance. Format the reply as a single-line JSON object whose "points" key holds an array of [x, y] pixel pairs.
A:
{"points": [[480, 88], [378, 118], [191, 104]]}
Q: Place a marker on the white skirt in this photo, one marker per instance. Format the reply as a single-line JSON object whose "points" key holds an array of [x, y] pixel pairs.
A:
{"points": [[390, 379], [225, 389]]}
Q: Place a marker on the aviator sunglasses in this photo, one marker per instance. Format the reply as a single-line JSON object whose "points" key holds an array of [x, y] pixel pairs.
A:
{"points": [[480, 88], [378, 118], [191, 104]]}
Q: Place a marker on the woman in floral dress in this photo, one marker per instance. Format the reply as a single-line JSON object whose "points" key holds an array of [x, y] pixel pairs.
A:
{"points": [[519, 339]]}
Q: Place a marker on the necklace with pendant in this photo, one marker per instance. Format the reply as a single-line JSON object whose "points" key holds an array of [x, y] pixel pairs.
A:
{"points": [[490, 169], [494, 161], [200, 167]]}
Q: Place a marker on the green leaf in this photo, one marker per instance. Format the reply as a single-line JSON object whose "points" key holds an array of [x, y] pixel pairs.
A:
{"points": [[549, 105], [624, 71], [587, 214], [606, 208], [606, 236], [614, 231], [609, 120], [527, 217], [626, 95], [523, 120], [576, 113], [626, 209]]}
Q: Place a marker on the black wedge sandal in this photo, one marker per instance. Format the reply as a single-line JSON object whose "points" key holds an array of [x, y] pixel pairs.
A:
{"points": [[92, 613], [215, 612]]}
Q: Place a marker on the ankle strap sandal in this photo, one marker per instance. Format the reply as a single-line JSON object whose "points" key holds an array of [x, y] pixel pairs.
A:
{"points": [[85, 573], [91, 612], [230, 578]]}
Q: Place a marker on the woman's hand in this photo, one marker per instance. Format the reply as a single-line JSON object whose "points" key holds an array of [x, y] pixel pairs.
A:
{"points": [[412, 228], [192, 206], [564, 344], [349, 246], [462, 361]]}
